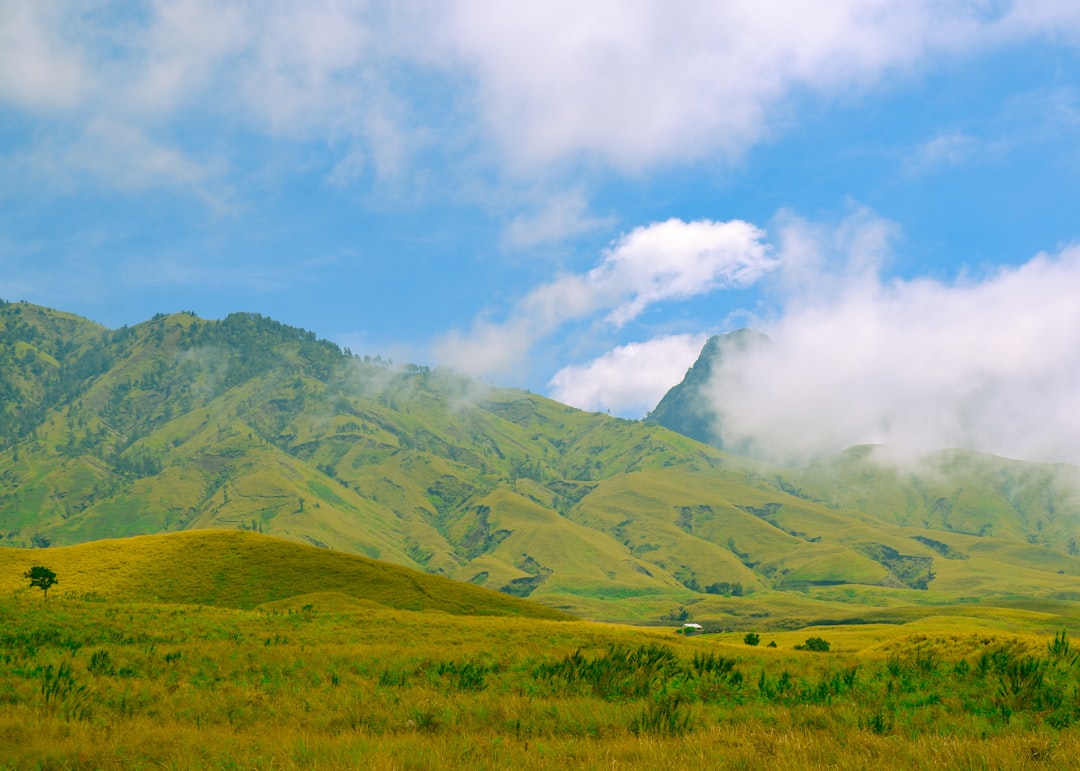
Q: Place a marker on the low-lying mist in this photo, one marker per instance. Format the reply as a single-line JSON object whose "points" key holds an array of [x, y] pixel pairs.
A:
{"points": [[991, 364]]}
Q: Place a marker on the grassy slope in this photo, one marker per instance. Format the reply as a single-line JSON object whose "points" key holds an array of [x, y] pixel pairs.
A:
{"points": [[243, 570]]}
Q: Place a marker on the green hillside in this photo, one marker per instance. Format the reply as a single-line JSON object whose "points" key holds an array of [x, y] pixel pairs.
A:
{"points": [[180, 423], [244, 570]]}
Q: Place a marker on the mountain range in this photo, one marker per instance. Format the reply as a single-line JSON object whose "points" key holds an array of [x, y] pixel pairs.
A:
{"points": [[181, 423]]}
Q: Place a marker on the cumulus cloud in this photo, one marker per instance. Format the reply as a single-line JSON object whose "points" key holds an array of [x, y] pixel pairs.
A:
{"points": [[643, 83], [989, 363], [677, 260], [663, 261], [614, 84], [630, 379]]}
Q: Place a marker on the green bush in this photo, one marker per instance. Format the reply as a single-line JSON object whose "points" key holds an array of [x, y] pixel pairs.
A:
{"points": [[814, 644]]}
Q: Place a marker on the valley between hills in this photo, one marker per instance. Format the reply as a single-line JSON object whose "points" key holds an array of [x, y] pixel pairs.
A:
{"points": [[180, 424]]}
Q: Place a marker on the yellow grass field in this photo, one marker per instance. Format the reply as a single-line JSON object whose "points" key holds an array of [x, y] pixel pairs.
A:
{"points": [[110, 676]]}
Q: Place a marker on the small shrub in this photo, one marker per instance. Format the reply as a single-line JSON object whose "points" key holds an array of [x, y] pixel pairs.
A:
{"points": [[925, 661], [751, 638], [469, 676], [621, 673], [1021, 682], [814, 644]]}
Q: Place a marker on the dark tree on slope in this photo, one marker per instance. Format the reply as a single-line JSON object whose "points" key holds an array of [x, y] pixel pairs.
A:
{"points": [[41, 578]]}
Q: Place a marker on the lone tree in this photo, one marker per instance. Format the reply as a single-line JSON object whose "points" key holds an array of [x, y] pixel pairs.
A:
{"points": [[42, 578]]}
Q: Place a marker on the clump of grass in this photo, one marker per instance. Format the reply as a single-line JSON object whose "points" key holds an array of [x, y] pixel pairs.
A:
{"points": [[62, 694], [620, 673], [1060, 647], [664, 716], [879, 722], [100, 663], [465, 676]]}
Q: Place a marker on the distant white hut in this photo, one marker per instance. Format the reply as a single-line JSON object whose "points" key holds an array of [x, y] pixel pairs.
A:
{"points": [[692, 628]]}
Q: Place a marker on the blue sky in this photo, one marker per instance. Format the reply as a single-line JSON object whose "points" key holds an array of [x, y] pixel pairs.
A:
{"points": [[560, 196]]}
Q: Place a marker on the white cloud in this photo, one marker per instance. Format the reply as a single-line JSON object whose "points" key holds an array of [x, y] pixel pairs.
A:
{"points": [[304, 73], [630, 379], [991, 364], [643, 83], [629, 85], [39, 69], [670, 260], [123, 156], [675, 260], [488, 349], [948, 149]]}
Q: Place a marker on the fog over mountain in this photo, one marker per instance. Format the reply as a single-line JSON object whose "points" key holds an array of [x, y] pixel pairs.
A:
{"points": [[988, 362]]}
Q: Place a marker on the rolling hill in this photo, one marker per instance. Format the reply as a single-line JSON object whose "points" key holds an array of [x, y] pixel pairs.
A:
{"points": [[181, 423], [233, 569]]}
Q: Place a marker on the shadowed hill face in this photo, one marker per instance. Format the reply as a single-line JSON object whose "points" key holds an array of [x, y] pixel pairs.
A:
{"points": [[246, 424], [686, 408]]}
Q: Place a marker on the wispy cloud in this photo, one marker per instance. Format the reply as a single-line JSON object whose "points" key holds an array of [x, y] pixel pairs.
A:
{"points": [[39, 68], [560, 216], [948, 149], [302, 74], [175, 269], [640, 84], [628, 86], [672, 260], [1025, 119]]}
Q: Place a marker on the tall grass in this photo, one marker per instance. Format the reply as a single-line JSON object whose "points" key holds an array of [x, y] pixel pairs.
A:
{"points": [[116, 685]]}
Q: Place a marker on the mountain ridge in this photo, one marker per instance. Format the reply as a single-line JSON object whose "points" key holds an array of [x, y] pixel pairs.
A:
{"points": [[180, 423], [687, 408]]}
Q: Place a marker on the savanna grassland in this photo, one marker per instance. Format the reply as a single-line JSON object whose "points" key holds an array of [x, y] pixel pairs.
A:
{"points": [[327, 680], [904, 616]]}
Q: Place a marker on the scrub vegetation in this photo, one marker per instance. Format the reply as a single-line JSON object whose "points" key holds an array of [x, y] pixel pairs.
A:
{"points": [[104, 675], [320, 681]]}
